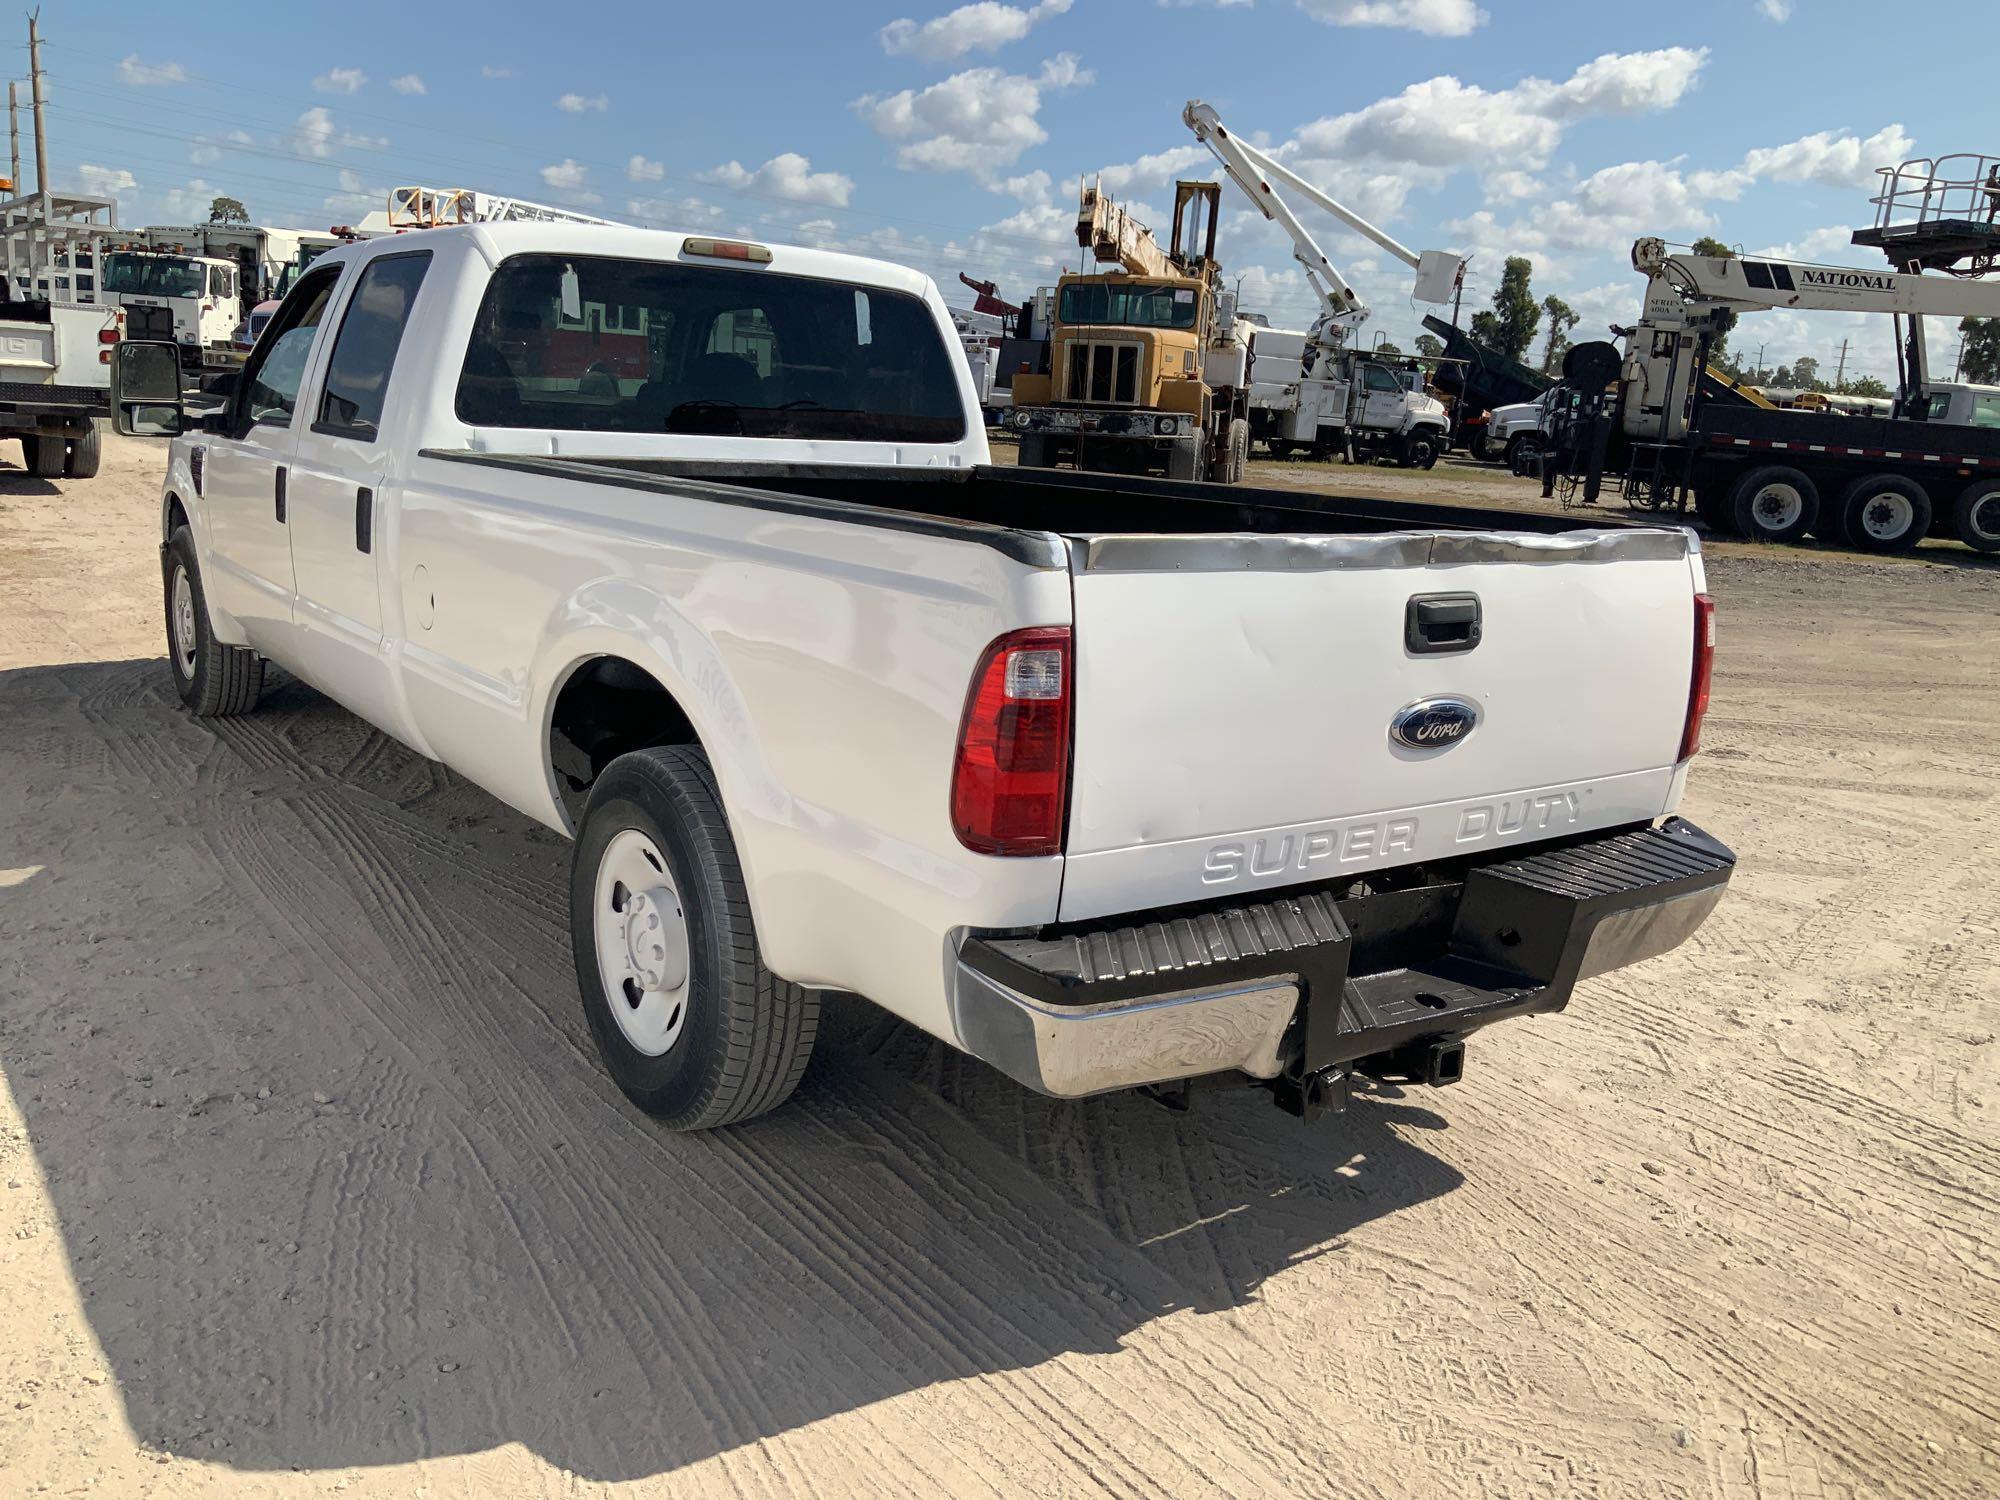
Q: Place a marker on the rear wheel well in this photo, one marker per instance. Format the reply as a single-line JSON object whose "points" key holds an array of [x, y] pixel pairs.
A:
{"points": [[604, 708]]}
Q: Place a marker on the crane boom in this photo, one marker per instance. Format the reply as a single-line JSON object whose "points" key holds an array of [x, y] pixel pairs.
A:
{"points": [[433, 207], [1681, 284], [1109, 232], [1254, 171]]}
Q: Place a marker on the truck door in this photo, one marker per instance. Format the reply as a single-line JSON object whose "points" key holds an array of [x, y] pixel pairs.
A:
{"points": [[247, 561], [1383, 400], [341, 466]]}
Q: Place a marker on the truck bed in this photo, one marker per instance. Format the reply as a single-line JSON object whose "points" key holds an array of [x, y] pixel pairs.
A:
{"points": [[1809, 431]]}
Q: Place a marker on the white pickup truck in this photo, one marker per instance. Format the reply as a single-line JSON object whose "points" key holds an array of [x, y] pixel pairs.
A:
{"points": [[691, 549]]}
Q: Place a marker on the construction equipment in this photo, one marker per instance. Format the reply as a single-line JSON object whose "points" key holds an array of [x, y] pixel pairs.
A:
{"points": [[1877, 483], [434, 207], [1149, 364], [1339, 397]]}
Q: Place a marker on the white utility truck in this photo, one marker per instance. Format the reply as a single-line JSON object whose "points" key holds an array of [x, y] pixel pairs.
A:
{"points": [[55, 345], [192, 301], [690, 549]]}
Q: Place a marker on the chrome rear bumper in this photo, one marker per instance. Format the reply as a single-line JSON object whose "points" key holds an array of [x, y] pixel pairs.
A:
{"points": [[1310, 982]]}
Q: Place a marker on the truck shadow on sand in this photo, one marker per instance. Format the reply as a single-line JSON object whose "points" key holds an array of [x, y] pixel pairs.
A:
{"points": [[290, 1017]]}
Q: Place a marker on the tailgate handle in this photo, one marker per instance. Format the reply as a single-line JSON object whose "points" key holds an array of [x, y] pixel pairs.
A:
{"points": [[1438, 623]]}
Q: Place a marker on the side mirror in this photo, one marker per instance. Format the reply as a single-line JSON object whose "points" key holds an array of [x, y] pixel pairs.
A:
{"points": [[222, 387], [146, 388]]}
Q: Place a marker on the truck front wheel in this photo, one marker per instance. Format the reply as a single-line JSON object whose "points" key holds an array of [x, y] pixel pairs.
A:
{"points": [[212, 679], [1421, 450], [689, 1022], [1774, 503], [1184, 458], [1975, 516], [1885, 513], [1239, 452]]}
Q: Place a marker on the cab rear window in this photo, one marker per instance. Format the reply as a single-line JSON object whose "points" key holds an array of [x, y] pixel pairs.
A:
{"points": [[596, 344]]}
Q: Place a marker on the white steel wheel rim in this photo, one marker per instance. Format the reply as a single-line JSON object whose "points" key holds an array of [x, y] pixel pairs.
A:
{"points": [[1778, 506], [640, 933], [187, 636], [1887, 515]]}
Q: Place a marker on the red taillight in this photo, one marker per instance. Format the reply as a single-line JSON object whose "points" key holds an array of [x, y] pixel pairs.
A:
{"points": [[1010, 781], [1704, 669], [107, 335]]}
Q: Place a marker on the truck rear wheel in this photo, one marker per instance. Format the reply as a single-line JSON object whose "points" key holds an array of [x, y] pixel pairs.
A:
{"points": [[45, 455], [692, 1026], [1885, 513], [85, 454], [213, 680], [1034, 452], [1774, 503], [1975, 516]]}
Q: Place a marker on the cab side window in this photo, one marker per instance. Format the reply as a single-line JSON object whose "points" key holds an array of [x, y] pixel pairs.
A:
{"points": [[270, 388], [364, 350]]}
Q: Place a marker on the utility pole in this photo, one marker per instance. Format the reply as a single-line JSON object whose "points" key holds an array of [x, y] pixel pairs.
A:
{"points": [[35, 89], [14, 133], [1457, 293], [1840, 370], [1760, 357]]}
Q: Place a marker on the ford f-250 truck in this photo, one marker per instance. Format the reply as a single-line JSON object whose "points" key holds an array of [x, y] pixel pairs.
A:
{"points": [[692, 550]]}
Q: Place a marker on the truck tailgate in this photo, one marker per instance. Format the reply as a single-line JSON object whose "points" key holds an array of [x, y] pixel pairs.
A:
{"points": [[27, 352], [1235, 698]]}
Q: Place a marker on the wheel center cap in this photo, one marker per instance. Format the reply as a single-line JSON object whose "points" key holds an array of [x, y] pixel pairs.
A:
{"points": [[654, 941]]}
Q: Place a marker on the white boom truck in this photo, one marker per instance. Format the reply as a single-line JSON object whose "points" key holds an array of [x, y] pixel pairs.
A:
{"points": [[1340, 398], [690, 549]]}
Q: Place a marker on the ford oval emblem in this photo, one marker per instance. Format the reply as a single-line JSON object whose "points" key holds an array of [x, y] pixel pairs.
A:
{"points": [[1434, 723]]}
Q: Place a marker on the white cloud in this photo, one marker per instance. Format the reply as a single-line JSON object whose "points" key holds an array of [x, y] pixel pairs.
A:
{"points": [[106, 182], [488, 70], [1821, 245], [1840, 161], [1156, 169], [980, 27], [144, 74], [639, 169], [1775, 10], [581, 104], [340, 81], [788, 175], [1444, 123], [204, 155], [1029, 187], [566, 175], [673, 212], [1432, 17], [1504, 185], [315, 134], [978, 120], [189, 203], [409, 83]]}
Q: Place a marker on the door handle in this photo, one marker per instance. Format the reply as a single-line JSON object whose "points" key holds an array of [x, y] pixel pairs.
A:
{"points": [[1434, 624], [279, 491], [364, 520]]}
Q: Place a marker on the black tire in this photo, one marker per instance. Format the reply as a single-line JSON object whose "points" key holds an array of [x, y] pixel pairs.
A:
{"points": [[1524, 453], [1773, 503], [1184, 458], [1874, 521], [213, 680], [85, 454], [1421, 451], [46, 455], [1034, 453], [747, 1034], [1238, 463], [1975, 515], [1711, 503]]}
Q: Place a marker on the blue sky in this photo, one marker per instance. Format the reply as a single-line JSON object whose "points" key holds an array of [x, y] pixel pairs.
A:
{"points": [[952, 137]]}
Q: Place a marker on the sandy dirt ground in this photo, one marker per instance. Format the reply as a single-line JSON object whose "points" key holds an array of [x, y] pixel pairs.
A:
{"points": [[313, 1183]]}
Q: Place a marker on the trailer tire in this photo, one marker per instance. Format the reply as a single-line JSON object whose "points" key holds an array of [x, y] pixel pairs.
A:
{"points": [[45, 455], [214, 681], [1524, 454], [690, 1023], [1184, 457], [1975, 515], [1774, 503], [85, 454], [1884, 513], [1034, 453]]}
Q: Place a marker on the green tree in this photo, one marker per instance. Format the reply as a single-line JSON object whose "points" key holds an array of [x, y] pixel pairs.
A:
{"points": [[1387, 347], [1718, 347], [1805, 371], [1864, 385], [1430, 344], [1562, 318], [1510, 326], [226, 210], [1980, 361]]}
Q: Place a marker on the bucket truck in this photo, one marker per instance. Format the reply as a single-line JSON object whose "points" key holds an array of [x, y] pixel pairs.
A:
{"points": [[1880, 484], [1336, 397], [1148, 364]]}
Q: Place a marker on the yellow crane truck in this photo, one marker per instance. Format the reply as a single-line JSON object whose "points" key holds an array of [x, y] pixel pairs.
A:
{"points": [[1148, 364]]}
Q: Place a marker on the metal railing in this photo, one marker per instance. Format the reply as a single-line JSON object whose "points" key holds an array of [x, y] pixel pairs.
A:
{"points": [[1961, 187]]}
